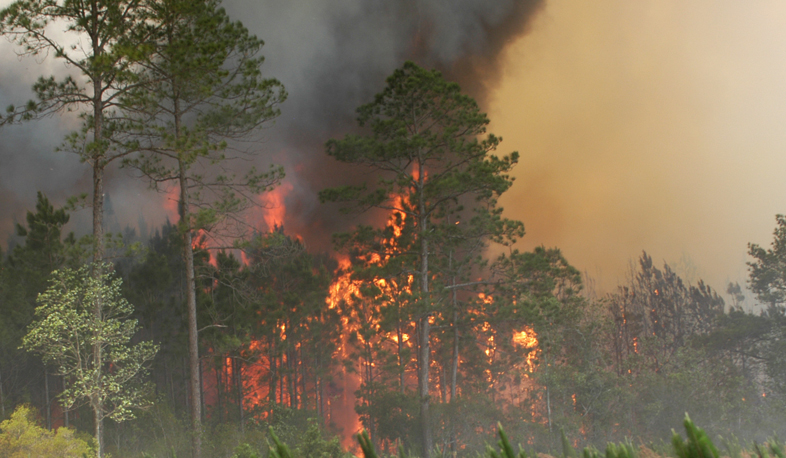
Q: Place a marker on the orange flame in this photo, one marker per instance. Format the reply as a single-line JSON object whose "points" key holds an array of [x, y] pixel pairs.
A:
{"points": [[272, 202]]}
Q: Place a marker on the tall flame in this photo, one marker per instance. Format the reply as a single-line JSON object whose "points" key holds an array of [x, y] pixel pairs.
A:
{"points": [[273, 204]]}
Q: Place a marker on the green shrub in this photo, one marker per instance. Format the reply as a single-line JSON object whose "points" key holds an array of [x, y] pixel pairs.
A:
{"points": [[21, 437], [697, 445], [506, 450], [246, 451]]}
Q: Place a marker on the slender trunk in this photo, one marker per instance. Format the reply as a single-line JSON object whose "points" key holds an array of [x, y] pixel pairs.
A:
{"points": [[99, 417], [281, 378], [239, 383], [65, 408], [272, 390], [219, 378], [98, 154], [48, 401], [443, 383], [193, 338], [289, 376], [455, 358], [548, 406], [425, 325], [454, 362], [400, 344], [303, 375], [424, 386], [317, 407], [98, 159]]}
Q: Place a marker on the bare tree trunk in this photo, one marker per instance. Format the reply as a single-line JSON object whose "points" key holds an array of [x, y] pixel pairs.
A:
{"points": [[48, 401], [98, 207], [273, 375], [98, 413], [400, 344], [237, 372], [65, 409], [219, 379], [193, 337], [424, 385], [454, 367], [548, 406], [425, 325]]}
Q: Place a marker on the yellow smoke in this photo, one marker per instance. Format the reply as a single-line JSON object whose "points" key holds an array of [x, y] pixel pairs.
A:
{"points": [[649, 125]]}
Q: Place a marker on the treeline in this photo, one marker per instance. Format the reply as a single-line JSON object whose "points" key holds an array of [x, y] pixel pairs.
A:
{"points": [[282, 330]]}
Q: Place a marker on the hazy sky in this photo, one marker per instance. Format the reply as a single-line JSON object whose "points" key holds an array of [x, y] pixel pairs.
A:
{"points": [[648, 125], [655, 125]]}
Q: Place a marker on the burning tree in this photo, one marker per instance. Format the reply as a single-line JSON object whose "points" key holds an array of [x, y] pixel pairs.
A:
{"points": [[428, 145]]}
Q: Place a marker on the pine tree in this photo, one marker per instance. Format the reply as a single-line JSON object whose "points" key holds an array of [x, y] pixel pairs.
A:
{"points": [[201, 87], [428, 146]]}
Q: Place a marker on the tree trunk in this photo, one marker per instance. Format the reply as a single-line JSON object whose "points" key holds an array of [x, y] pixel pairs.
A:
{"points": [[548, 406], [273, 374], [400, 344], [65, 409], [219, 379], [99, 421], [237, 373], [48, 401], [455, 358], [425, 353], [424, 326], [454, 368], [193, 331]]}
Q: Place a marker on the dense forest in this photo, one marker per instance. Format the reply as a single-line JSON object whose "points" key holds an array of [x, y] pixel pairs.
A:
{"points": [[426, 327]]}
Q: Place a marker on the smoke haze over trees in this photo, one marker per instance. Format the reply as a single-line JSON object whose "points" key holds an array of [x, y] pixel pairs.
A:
{"points": [[331, 59]]}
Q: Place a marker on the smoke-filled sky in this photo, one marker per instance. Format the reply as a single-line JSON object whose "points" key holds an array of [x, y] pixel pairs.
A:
{"points": [[652, 125], [649, 125]]}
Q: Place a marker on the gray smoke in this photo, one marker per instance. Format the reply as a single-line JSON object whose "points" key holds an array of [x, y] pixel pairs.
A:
{"points": [[330, 56]]}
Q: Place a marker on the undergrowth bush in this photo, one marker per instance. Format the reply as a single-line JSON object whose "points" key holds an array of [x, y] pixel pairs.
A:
{"points": [[21, 437]]}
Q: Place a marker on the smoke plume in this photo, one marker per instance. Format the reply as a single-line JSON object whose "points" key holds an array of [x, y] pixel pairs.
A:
{"points": [[652, 125], [331, 57]]}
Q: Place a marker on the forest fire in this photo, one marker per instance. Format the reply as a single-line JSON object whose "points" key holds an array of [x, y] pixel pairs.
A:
{"points": [[273, 209], [435, 321]]}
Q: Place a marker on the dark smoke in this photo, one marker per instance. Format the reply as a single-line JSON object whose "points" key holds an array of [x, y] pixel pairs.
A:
{"points": [[331, 57]]}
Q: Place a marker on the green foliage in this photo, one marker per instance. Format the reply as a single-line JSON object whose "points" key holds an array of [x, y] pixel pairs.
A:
{"points": [[83, 327], [366, 446], [278, 449], [767, 271], [201, 86], [732, 446], [506, 450], [775, 448], [314, 445], [697, 444], [21, 437], [24, 274], [567, 450], [622, 450], [246, 451]]}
